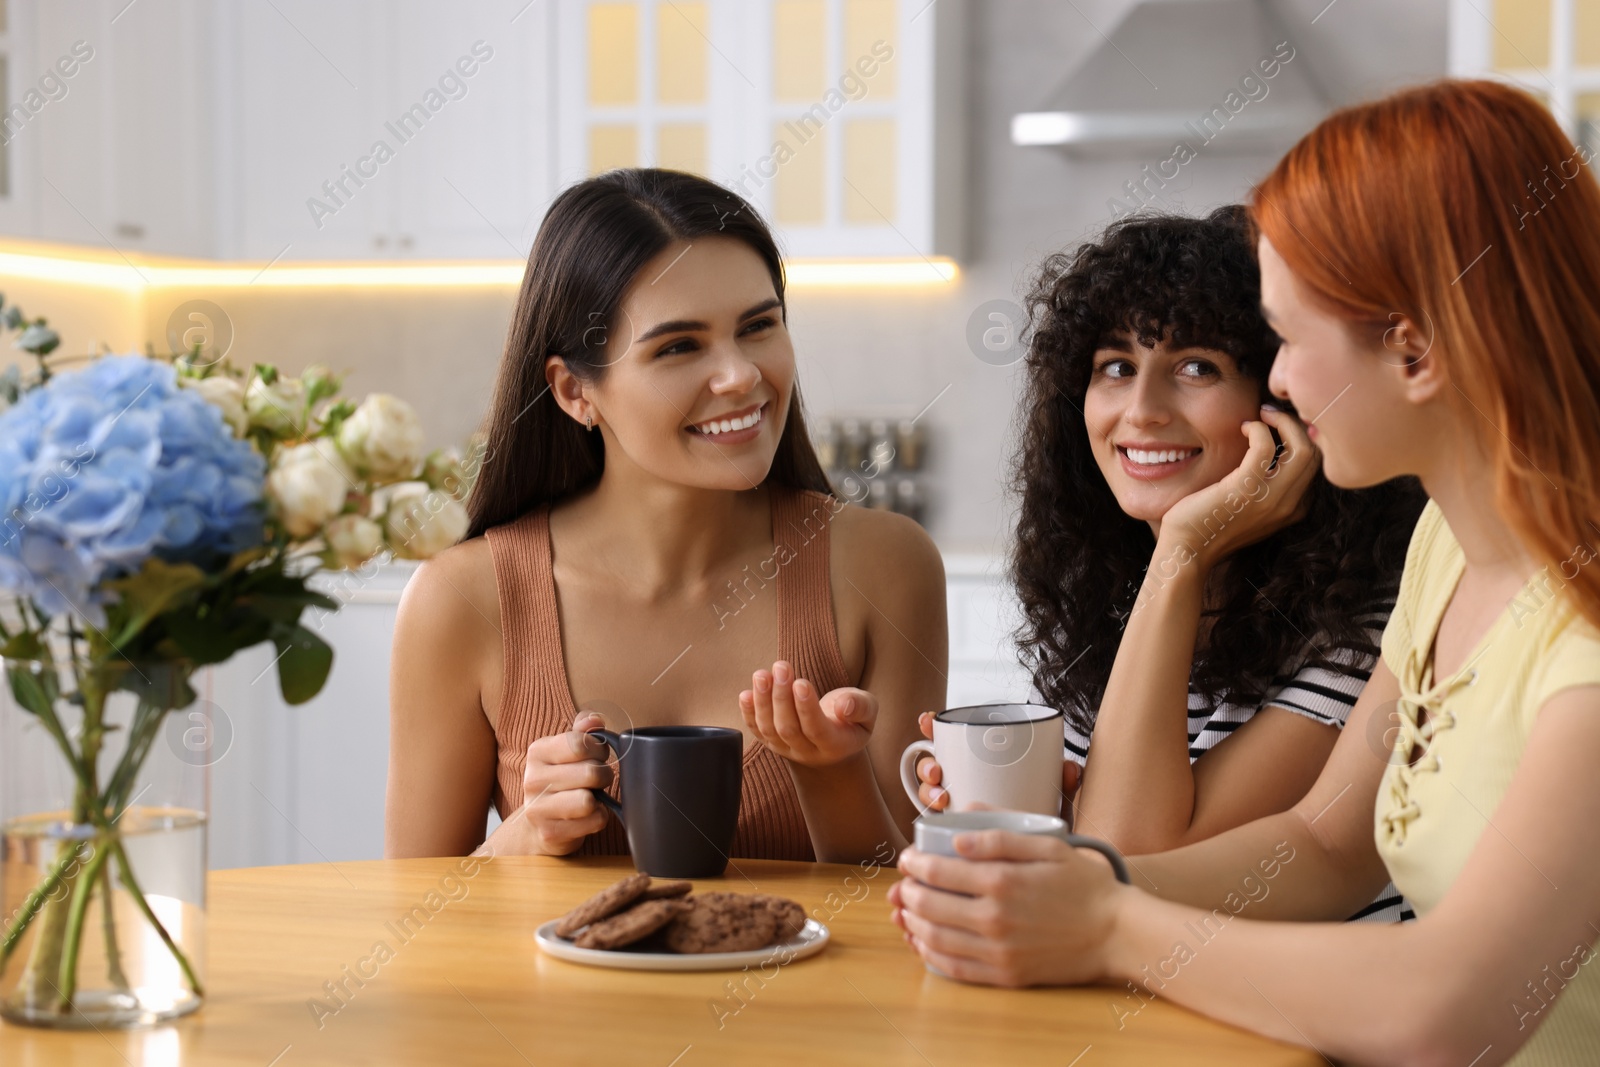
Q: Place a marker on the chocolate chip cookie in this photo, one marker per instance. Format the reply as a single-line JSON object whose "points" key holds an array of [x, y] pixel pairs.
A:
{"points": [[608, 901], [662, 890], [630, 925], [722, 922], [789, 917]]}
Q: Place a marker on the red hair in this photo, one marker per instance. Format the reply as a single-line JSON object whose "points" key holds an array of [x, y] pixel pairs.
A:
{"points": [[1462, 206]]}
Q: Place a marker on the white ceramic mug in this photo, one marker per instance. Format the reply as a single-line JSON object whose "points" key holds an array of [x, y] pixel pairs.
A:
{"points": [[1000, 755]]}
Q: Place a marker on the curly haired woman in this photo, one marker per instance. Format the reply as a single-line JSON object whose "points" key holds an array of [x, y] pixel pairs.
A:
{"points": [[1171, 555]]}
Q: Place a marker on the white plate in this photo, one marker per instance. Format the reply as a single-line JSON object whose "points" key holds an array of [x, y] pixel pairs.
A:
{"points": [[810, 941]]}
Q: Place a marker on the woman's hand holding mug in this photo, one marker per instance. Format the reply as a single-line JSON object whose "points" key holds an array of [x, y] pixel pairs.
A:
{"points": [[789, 717], [558, 810], [932, 796]]}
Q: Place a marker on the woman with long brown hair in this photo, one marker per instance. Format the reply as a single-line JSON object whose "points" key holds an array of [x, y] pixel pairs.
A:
{"points": [[1440, 322], [650, 531]]}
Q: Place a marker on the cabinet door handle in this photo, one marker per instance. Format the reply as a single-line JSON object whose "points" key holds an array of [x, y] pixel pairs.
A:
{"points": [[380, 241], [405, 241]]}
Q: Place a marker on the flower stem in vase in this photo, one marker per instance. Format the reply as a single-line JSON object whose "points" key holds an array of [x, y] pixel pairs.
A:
{"points": [[125, 872], [108, 925], [67, 855], [68, 983], [44, 961]]}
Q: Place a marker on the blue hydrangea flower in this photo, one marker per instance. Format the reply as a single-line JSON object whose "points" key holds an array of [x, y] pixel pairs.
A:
{"points": [[104, 467]]}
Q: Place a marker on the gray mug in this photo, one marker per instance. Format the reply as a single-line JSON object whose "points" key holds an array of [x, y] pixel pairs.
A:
{"points": [[936, 832]]}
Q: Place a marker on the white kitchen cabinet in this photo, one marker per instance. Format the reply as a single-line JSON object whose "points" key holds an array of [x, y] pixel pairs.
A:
{"points": [[17, 202], [475, 182], [112, 147], [302, 130], [840, 120], [377, 129], [983, 617], [299, 107], [306, 784], [159, 187]]}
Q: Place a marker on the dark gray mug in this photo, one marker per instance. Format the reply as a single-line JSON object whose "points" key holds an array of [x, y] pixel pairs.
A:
{"points": [[680, 796]]}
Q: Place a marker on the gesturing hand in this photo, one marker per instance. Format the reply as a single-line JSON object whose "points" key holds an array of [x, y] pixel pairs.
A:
{"points": [[1251, 502], [789, 718]]}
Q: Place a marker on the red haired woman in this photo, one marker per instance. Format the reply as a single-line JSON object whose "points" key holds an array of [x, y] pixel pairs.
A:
{"points": [[1430, 262]]}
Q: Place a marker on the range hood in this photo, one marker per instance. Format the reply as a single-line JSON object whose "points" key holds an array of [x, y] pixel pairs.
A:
{"points": [[1215, 75]]}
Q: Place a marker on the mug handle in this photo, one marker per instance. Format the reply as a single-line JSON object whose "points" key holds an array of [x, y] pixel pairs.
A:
{"points": [[1119, 868], [908, 768], [613, 742]]}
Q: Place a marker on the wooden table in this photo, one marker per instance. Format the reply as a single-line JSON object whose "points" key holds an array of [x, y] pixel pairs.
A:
{"points": [[463, 983]]}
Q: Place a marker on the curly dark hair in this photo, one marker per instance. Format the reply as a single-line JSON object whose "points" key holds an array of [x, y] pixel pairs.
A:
{"points": [[1078, 560]]}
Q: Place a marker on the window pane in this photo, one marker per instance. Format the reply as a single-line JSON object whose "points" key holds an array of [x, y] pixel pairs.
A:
{"points": [[613, 54], [869, 168], [1521, 33], [1586, 49], [799, 49], [798, 196], [869, 36], [682, 146], [681, 33], [613, 146]]}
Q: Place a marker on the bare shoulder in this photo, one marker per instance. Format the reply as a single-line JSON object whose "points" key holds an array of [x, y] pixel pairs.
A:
{"points": [[454, 594], [888, 553]]}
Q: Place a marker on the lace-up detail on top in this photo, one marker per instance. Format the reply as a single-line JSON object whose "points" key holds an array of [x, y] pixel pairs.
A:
{"points": [[1416, 730]]}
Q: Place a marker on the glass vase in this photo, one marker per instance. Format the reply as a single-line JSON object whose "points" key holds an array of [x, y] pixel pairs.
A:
{"points": [[103, 792]]}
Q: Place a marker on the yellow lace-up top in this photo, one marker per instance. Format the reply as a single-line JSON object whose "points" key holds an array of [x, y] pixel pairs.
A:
{"points": [[1471, 729]]}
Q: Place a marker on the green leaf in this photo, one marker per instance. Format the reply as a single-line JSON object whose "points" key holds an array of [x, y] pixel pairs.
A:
{"points": [[286, 610], [35, 693], [158, 587], [160, 685], [304, 660], [13, 318], [25, 645], [209, 640]]}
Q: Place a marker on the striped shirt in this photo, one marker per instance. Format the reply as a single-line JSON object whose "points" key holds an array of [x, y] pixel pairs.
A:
{"points": [[1316, 692]]}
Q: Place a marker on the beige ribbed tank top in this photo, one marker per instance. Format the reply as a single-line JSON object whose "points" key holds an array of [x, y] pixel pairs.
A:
{"points": [[536, 697]]}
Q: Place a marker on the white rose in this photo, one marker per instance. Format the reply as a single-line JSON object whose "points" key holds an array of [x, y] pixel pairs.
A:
{"points": [[353, 539], [422, 522], [279, 407], [383, 439], [227, 394], [308, 483]]}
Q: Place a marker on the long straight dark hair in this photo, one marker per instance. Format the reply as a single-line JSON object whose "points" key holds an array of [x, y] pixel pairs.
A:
{"points": [[595, 239]]}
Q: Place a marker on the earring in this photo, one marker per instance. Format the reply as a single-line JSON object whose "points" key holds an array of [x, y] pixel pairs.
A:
{"points": [[588, 422]]}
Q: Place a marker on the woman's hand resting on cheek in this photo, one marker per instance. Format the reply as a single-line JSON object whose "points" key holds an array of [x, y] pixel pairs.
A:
{"points": [[789, 718], [559, 810], [1251, 502], [1036, 911], [933, 797]]}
